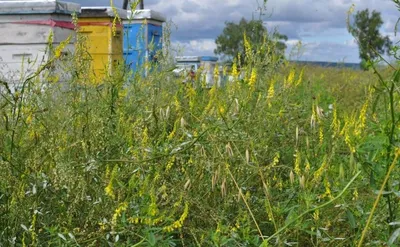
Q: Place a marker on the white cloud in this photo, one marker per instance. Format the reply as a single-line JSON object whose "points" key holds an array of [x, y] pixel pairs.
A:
{"points": [[195, 47], [320, 24]]}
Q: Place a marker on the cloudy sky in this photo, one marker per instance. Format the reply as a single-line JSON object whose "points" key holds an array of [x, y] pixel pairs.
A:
{"points": [[319, 24]]}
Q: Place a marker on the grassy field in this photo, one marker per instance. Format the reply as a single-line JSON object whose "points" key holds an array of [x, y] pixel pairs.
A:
{"points": [[288, 156]]}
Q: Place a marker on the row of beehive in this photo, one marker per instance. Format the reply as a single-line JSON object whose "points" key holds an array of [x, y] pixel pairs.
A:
{"points": [[113, 36]]}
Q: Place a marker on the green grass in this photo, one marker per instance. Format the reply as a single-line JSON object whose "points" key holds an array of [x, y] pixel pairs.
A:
{"points": [[154, 162]]}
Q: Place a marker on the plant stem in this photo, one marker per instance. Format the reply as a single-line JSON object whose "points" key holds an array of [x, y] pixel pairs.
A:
{"points": [[245, 202], [316, 208], [378, 198]]}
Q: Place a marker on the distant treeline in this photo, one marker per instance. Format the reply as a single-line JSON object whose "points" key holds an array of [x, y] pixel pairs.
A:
{"points": [[330, 64]]}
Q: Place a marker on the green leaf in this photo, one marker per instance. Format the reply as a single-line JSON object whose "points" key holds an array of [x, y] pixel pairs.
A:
{"points": [[291, 216], [394, 236], [351, 219]]}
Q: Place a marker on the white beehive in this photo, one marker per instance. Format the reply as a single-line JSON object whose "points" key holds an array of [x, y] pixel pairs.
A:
{"points": [[26, 27]]}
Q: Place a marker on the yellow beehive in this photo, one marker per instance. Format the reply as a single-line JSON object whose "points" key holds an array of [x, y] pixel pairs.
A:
{"points": [[102, 27]]}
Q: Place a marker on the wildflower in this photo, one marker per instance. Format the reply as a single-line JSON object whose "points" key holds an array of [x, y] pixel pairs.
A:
{"points": [[290, 78], [221, 109], [276, 159], [362, 119], [355, 195], [170, 163], [300, 79], [118, 212], [335, 122], [308, 166], [109, 190], [318, 173], [297, 162], [179, 223], [328, 192], [235, 72], [172, 134], [253, 78], [271, 92], [321, 135], [216, 72], [316, 215], [247, 46], [145, 137]]}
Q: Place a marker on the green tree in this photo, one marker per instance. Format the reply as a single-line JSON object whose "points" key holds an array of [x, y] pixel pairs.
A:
{"points": [[370, 41], [231, 44]]}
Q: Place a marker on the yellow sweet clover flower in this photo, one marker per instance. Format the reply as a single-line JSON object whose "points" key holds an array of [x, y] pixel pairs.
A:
{"points": [[153, 210], [118, 212], [221, 109], [170, 163], [235, 72], [145, 137], [271, 93], [335, 125], [362, 119], [213, 95], [276, 159], [177, 103], [102, 225], [179, 223], [319, 172], [297, 162], [247, 46], [300, 79], [109, 190], [321, 135], [216, 72], [253, 78], [328, 192], [316, 215], [355, 195], [290, 79], [173, 132], [307, 166]]}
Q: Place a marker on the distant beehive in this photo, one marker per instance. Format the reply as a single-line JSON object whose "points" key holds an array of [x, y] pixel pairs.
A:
{"points": [[143, 34], [103, 32], [25, 27], [206, 64]]}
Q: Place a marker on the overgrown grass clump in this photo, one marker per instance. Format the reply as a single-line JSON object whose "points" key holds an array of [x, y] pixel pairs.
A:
{"points": [[288, 155]]}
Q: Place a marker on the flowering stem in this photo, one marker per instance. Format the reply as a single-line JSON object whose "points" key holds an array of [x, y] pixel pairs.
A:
{"points": [[313, 209]]}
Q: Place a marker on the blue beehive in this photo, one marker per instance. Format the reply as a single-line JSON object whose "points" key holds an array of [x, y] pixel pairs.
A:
{"points": [[142, 37]]}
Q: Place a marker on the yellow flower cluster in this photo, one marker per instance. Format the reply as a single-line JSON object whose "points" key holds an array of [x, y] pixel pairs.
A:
{"points": [[118, 212], [297, 162], [145, 220], [271, 93], [253, 78], [179, 223], [247, 46], [235, 72], [320, 171], [109, 190]]}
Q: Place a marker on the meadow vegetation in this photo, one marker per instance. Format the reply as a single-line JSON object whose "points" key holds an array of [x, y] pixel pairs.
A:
{"points": [[287, 156]]}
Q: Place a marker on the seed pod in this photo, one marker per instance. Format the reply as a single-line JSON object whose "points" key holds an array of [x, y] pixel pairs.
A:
{"points": [[223, 188], [302, 181], [183, 122], [187, 184], [291, 176], [229, 150]]}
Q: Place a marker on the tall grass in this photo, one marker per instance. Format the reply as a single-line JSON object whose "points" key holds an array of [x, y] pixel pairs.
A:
{"points": [[292, 152]]}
